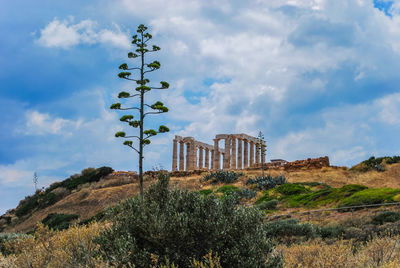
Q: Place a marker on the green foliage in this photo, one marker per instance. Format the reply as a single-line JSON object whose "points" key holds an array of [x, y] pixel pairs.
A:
{"points": [[228, 190], [376, 163], [370, 196], [125, 118], [264, 198], [47, 198], [248, 193], [206, 192], [120, 134], [222, 176], [267, 182], [269, 205], [8, 237], [59, 221], [180, 226], [288, 228], [386, 216], [291, 189], [330, 231], [123, 94]]}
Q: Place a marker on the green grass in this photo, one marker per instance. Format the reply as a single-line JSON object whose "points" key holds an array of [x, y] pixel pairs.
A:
{"points": [[228, 189], [370, 196], [206, 192]]}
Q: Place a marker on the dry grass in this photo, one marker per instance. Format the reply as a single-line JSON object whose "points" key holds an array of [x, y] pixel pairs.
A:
{"points": [[380, 252]]}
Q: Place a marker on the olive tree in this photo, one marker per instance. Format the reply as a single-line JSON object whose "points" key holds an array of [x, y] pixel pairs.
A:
{"points": [[142, 109]]}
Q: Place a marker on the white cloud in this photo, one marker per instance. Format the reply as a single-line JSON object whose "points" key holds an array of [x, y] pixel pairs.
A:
{"points": [[65, 34], [42, 123]]}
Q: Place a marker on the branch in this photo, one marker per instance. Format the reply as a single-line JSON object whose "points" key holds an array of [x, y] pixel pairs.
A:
{"points": [[127, 137], [133, 148], [149, 71], [132, 108], [149, 136], [152, 113]]}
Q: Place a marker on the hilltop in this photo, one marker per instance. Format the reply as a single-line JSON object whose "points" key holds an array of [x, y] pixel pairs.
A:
{"points": [[88, 194]]}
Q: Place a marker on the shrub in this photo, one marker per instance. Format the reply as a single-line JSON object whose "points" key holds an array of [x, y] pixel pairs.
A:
{"points": [[291, 189], [386, 216], [6, 238], [268, 182], [59, 221], [248, 193], [288, 228], [221, 176], [330, 231], [270, 205], [181, 226], [206, 192]]}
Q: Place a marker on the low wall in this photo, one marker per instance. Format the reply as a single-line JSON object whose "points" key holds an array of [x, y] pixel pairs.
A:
{"points": [[309, 163]]}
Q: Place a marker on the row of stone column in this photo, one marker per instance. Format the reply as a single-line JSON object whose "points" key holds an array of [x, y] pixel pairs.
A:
{"points": [[243, 158], [191, 156]]}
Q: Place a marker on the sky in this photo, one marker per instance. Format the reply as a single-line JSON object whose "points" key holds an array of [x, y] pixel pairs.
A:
{"points": [[317, 77]]}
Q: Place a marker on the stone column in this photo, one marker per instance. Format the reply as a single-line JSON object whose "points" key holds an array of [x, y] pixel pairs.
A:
{"points": [[263, 154], [207, 164], [212, 159], [251, 153], [181, 156], [216, 155], [233, 156], [246, 154], [188, 156], [239, 159], [227, 156], [201, 152], [194, 156], [174, 155]]}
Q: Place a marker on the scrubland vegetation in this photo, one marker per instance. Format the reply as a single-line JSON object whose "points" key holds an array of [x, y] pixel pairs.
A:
{"points": [[227, 219]]}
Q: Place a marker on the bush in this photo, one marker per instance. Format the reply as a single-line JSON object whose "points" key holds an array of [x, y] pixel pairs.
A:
{"points": [[6, 238], [59, 221], [291, 189], [206, 192], [270, 205], [386, 216], [330, 231], [181, 226], [288, 228], [268, 182], [221, 176], [248, 193]]}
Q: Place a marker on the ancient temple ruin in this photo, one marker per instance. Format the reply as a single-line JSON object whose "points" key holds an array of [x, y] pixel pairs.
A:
{"points": [[240, 151]]}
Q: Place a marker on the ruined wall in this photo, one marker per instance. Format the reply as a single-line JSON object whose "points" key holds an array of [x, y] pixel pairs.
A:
{"points": [[309, 163]]}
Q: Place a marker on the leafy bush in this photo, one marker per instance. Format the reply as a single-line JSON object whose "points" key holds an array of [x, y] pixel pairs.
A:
{"points": [[206, 192], [270, 205], [330, 231], [248, 193], [267, 182], [222, 176], [386, 216], [376, 163], [370, 196], [291, 189], [181, 226], [59, 221], [288, 228], [6, 238]]}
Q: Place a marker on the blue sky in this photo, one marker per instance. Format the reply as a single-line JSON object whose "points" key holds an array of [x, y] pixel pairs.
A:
{"points": [[318, 77]]}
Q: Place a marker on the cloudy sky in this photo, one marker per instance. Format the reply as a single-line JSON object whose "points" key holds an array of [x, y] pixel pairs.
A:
{"points": [[317, 77]]}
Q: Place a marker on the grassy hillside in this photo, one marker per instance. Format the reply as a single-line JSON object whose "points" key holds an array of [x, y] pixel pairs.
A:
{"points": [[90, 192]]}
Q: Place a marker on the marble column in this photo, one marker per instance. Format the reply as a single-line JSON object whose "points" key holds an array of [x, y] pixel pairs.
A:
{"points": [[201, 153], [263, 154], [175, 155], [251, 153], [239, 158], [216, 154], [194, 156], [233, 156], [181, 156], [227, 162], [207, 164], [246, 154], [212, 159], [188, 156]]}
